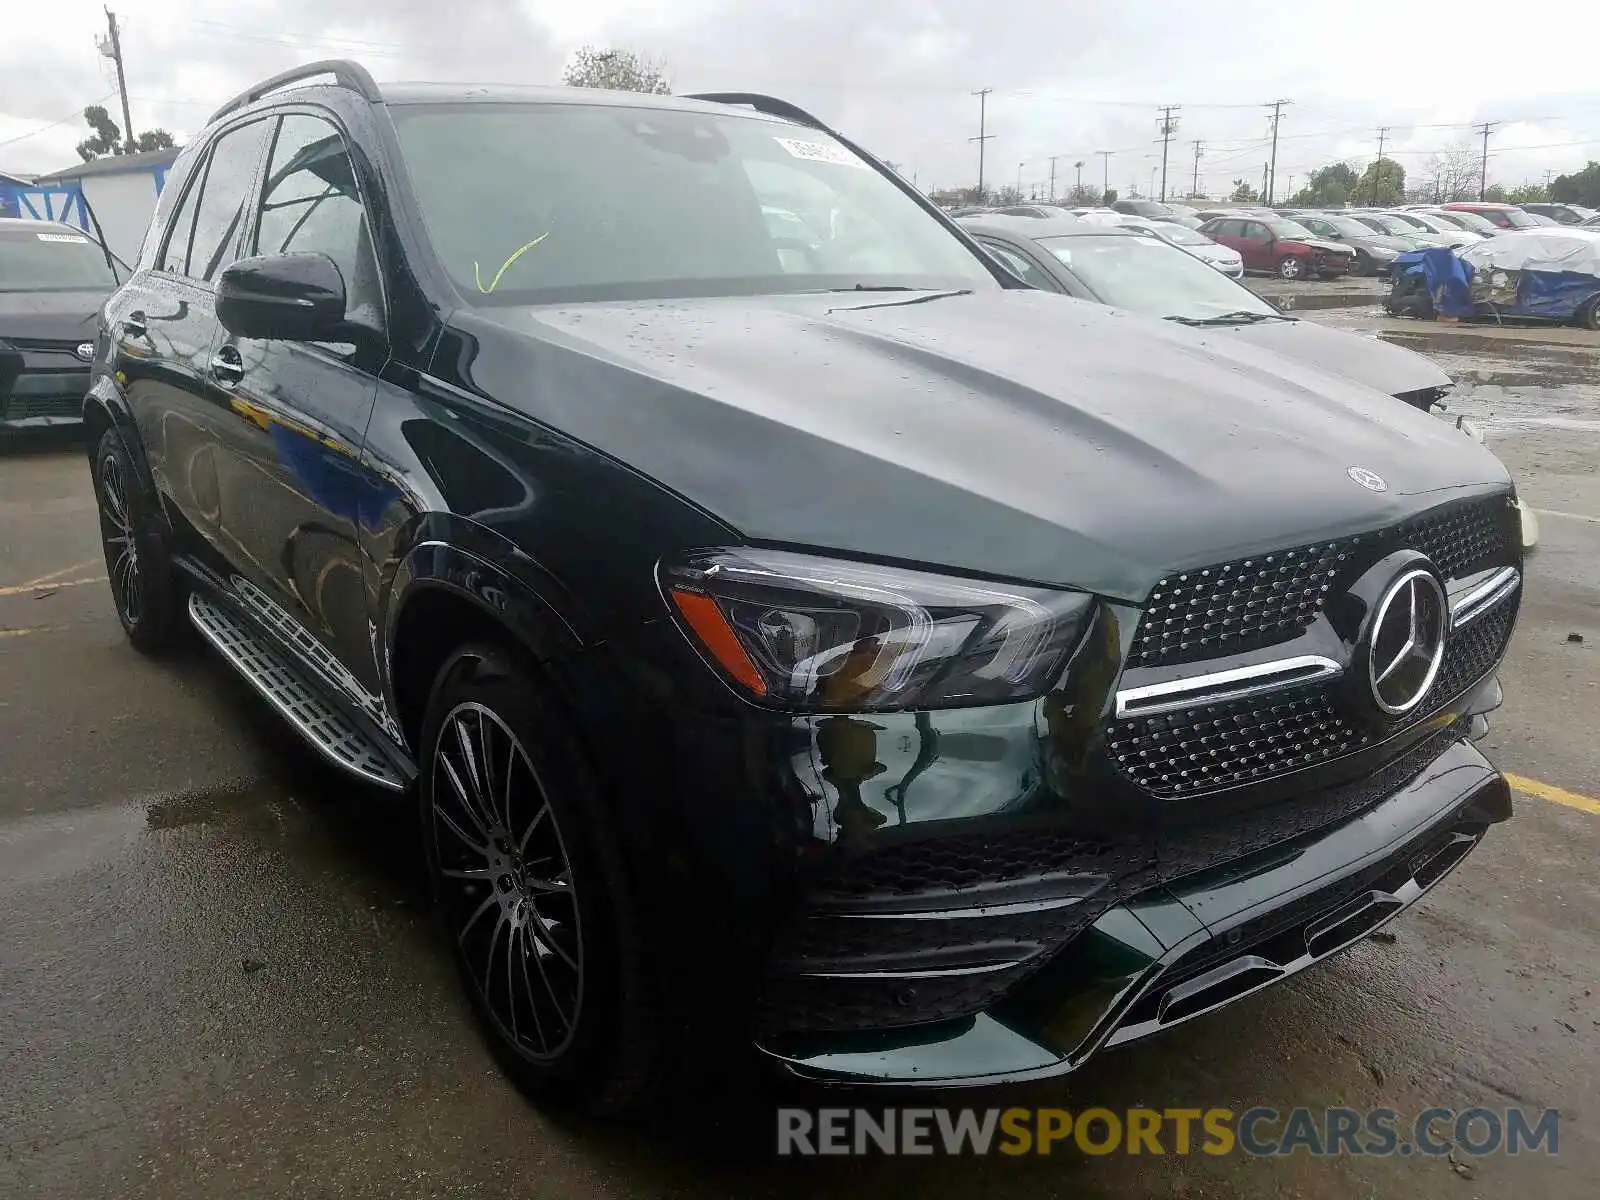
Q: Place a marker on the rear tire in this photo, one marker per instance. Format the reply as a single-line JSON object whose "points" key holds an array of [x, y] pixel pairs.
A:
{"points": [[1289, 267], [529, 882], [1589, 317], [144, 582]]}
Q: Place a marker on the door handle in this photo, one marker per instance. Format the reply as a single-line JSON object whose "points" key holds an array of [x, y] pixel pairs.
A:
{"points": [[227, 368], [133, 325]]}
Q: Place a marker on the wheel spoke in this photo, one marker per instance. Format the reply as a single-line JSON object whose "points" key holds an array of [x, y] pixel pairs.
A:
{"points": [[549, 988], [479, 798], [486, 759], [488, 954], [547, 930], [461, 937], [461, 792], [538, 817], [450, 824], [538, 1025]]}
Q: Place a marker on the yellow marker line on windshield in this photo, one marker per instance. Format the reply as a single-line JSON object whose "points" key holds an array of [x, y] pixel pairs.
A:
{"points": [[1554, 794], [22, 589], [505, 266]]}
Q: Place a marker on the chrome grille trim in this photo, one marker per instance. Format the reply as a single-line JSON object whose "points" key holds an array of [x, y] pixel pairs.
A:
{"points": [[1217, 686], [1484, 596]]}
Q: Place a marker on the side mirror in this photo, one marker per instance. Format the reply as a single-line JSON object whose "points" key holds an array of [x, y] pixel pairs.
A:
{"points": [[290, 297]]}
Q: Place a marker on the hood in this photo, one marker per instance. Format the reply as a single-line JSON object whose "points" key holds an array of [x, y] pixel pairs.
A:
{"points": [[1010, 432], [1388, 241], [50, 316], [1214, 253], [1323, 244], [1361, 359]]}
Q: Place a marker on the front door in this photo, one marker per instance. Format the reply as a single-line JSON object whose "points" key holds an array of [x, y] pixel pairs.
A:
{"points": [[292, 478], [1255, 247]]}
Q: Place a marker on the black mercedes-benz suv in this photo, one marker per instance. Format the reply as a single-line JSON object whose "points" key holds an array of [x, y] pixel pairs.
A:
{"points": [[792, 629]]}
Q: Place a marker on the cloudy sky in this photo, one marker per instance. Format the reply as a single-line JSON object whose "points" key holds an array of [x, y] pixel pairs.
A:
{"points": [[1069, 79]]}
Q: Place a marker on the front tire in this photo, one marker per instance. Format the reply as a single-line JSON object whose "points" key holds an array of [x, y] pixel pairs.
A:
{"points": [[1589, 318], [528, 880], [144, 583], [1289, 267]]}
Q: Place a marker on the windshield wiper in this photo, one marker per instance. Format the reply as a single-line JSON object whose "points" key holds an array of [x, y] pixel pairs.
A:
{"points": [[878, 287], [1233, 318]]}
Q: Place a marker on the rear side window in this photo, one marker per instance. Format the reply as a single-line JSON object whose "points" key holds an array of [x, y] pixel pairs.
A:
{"points": [[220, 209], [176, 256]]}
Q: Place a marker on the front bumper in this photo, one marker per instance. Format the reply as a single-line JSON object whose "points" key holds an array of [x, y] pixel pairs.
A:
{"points": [[41, 385], [1169, 952]]}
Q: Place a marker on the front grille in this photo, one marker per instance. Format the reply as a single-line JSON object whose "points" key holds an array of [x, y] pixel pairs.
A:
{"points": [[1252, 603], [1215, 746], [22, 408]]}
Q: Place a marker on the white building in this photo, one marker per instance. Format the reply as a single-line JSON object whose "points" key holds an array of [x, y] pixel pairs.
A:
{"points": [[120, 188]]}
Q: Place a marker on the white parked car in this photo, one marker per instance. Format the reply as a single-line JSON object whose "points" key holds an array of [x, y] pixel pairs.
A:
{"points": [[1224, 258]]}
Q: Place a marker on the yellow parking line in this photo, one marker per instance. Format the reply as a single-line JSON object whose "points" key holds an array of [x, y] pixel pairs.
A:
{"points": [[27, 629], [1554, 794], [23, 589], [86, 563]]}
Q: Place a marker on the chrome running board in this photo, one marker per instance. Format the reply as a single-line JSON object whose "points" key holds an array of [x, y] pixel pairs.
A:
{"points": [[333, 735]]}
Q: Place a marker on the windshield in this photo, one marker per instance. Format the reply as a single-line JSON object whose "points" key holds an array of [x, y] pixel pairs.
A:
{"points": [[1386, 223], [1348, 226], [1182, 235], [35, 260], [537, 202], [1519, 219], [1148, 276], [1411, 222], [1292, 230], [1469, 221]]}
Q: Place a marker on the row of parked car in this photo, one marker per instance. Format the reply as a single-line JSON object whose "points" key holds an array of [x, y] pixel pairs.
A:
{"points": [[1303, 243]]}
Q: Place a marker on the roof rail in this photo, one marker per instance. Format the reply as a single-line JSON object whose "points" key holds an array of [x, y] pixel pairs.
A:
{"points": [[770, 105], [345, 74]]}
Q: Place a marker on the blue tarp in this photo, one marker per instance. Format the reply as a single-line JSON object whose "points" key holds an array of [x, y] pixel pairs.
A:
{"points": [[1449, 279], [1560, 295], [1553, 295]]}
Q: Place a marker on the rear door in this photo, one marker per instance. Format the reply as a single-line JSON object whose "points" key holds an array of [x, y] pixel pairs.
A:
{"points": [[1226, 232], [163, 327], [1255, 246], [292, 480]]}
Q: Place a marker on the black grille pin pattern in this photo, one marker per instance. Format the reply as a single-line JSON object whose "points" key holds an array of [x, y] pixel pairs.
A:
{"points": [[1252, 603]]}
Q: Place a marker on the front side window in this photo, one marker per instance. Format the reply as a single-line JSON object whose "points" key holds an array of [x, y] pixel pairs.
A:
{"points": [[530, 202], [310, 203], [1148, 276], [45, 260], [1020, 267], [1289, 230], [222, 199]]}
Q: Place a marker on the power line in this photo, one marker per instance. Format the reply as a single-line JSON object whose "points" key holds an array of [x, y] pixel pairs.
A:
{"points": [[983, 135], [74, 115], [1168, 127]]}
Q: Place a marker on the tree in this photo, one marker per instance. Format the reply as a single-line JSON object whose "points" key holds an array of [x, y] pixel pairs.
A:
{"points": [[107, 137], [617, 70], [1327, 187], [1382, 183], [1109, 198], [1581, 187], [1527, 193], [1453, 174], [1243, 193], [1009, 195], [1082, 195]]}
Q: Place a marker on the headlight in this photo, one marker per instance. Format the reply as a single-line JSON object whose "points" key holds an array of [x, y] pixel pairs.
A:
{"points": [[806, 633]]}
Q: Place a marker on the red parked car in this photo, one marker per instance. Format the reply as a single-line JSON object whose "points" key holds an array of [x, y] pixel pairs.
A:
{"points": [[1286, 248], [1506, 216]]}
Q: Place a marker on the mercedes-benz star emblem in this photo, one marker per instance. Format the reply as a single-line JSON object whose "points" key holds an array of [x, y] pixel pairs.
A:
{"points": [[85, 351], [1407, 644], [1370, 480]]}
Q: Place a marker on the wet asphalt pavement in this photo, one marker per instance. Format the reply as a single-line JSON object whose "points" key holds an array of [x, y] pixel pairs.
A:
{"points": [[218, 976]]}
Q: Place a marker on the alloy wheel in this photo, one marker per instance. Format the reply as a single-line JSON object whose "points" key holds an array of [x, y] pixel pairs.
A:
{"points": [[1289, 268], [506, 882], [121, 547]]}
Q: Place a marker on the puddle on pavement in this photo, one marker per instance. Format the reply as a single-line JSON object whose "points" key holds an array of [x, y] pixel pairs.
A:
{"points": [[214, 807]]}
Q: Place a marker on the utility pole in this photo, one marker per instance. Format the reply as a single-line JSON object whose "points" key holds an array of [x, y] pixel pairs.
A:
{"points": [[1194, 184], [1272, 171], [1051, 198], [1168, 126], [983, 134], [1383, 136], [1020, 165], [1265, 175], [112, 49], [1105, 173], [1483, 168], [1079, 188]]}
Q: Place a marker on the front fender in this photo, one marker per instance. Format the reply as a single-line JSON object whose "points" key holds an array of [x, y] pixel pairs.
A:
{"points": [[106, 406]]}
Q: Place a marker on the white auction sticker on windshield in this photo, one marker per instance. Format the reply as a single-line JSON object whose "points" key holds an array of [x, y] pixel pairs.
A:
{"points": [[820, 152], [62, 237]]}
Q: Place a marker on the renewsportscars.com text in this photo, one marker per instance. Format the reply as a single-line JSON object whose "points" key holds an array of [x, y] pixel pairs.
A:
{"points": [[1324, 1132]]}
